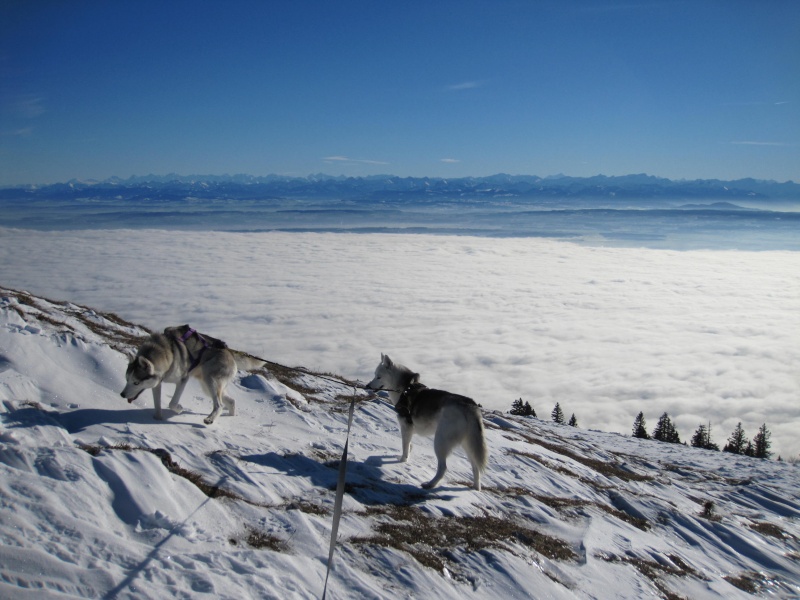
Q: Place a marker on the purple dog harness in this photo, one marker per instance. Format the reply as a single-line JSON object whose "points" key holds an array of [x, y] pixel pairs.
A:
{"points": [[195, 361]]}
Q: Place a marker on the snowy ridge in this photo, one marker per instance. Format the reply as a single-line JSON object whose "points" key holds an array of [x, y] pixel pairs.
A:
{"points": [[101, 501]]}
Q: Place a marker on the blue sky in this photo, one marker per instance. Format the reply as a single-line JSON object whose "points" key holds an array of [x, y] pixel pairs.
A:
{"points": [[695, 89]]}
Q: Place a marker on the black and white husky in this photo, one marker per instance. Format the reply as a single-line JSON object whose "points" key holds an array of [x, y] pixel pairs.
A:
{"points": [[176, 355], [450, 418]]}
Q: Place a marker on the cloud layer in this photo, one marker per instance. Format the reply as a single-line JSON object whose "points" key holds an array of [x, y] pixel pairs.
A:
{"points": [[606, 332]]}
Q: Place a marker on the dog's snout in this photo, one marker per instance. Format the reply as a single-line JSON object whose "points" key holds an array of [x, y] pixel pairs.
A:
{"points": [[122, 394]]}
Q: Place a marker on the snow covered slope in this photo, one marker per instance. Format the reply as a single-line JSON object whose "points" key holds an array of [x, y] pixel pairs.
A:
{"points": [[99, 500]]}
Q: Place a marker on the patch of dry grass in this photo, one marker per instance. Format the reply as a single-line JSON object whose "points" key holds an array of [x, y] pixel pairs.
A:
{"points": [[114, 334], [308, 507], [768, 529], [751, 582], [710, 511], [261, 540], [431, 540]]}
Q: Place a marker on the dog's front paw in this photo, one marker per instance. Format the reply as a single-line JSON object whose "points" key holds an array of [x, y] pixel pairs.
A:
{"points": [[158, 416], [177, 409], [208, 420], [428, 485]]}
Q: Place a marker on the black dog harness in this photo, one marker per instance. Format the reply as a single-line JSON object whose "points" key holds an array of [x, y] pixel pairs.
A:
{"points": [[417, 394], [405, 405]]}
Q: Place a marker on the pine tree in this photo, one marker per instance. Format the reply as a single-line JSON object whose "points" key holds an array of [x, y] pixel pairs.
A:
{"points": [[702, 438], [761, 443], [749, 450], [737, 443], [640, 427], [528, 410], [573, 422], [665, 431], [710, 444], [557, 414], [672, 435], [662, 428]]}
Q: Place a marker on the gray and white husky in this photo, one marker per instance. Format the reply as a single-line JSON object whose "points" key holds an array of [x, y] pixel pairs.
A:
{"points": [[450, 418], [180, 353]]}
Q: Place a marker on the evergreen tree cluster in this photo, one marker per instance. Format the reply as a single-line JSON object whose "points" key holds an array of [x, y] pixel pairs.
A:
{"points": [[738, 443], [558, 417], [758, 447], [665, 431], [524, 409]]}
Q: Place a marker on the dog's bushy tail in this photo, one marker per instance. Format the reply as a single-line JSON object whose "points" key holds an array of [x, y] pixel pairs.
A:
{"points": [[476, 441], [246, 362]]}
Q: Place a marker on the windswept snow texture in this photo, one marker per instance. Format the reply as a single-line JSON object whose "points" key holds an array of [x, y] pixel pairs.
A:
{"points": [[99, 500], [707, 336]]}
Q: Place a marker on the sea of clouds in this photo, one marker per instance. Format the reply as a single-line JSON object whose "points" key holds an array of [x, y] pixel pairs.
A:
{"points": [[707, 336]]}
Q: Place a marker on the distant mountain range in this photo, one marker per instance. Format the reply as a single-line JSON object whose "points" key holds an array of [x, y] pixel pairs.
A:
{"points": [[392, 189]]}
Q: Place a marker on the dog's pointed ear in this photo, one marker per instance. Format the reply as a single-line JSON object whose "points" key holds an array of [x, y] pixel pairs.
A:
{"points": [[414, 378], [387, 362], [146, 365]]}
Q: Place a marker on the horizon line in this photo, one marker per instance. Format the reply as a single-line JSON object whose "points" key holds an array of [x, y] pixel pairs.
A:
{"points": [[200, 177]]}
